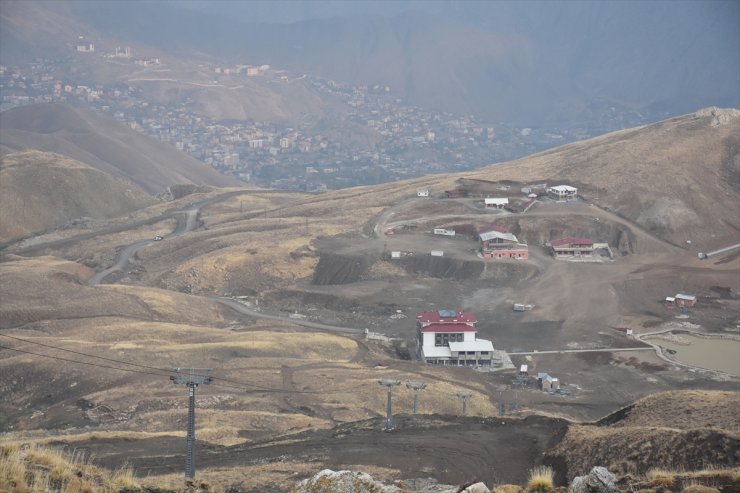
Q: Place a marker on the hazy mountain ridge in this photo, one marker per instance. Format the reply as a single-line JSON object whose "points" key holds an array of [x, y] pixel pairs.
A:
{"points": [[531, 63], [104, 144]]}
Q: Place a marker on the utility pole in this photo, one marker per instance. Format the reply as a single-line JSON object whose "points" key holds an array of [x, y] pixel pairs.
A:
{"points": [[416, 387], [464, 396], [191, 378], [389, 410]]}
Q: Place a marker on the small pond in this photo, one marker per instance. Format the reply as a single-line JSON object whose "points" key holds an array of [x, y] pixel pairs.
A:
{"points": [[713, 353]]}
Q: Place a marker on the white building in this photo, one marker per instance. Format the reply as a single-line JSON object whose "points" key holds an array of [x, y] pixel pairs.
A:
{"points": [[563, 192], [422, 192], [447, 337], [496, 203]]}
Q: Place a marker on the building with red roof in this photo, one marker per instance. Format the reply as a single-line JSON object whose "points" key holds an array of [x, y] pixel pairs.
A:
{"points": [[572, 246], [448, 337]]}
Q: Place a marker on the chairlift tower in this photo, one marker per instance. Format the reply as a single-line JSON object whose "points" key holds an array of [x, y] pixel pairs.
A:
{"points": [[464, 396], [191, 378], [389, 410], [416, 387]]}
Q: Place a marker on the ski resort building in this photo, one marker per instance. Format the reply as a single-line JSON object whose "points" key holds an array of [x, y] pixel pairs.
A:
{"points": [[563, 192], [572, 247], [498, 244], [448, 337]]}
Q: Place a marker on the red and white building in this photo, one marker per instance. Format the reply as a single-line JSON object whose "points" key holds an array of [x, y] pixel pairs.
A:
{"points": [[497, 242], [448, 337], [572, 247]]}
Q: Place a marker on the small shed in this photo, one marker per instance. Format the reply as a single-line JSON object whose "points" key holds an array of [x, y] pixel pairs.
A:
{"points": [[437, 253], [683, 299], [422, 192], [395, 254]]}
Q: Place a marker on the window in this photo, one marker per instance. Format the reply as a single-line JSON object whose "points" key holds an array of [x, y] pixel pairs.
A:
{"points": [[438, 339], [484, 353], [459, 338]]}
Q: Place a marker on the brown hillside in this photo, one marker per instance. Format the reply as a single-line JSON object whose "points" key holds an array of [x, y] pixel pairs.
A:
{"points": [[40, 191], [687, 430], [103, 144], [678, 178]]}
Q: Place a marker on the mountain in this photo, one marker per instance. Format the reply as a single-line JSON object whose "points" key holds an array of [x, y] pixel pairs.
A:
{"points": [[678, 178], [526, 62], [103, 144], [41, 191]]}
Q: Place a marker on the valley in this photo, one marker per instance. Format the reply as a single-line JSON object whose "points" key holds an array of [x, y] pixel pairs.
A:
{"points": [[274, 290]]}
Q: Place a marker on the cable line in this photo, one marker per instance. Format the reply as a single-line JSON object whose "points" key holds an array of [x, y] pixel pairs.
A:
{"points": [[165, 372]]}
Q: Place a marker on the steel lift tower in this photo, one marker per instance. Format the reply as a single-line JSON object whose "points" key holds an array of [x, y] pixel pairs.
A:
{"points": [[389, 412], [416, 387], [192, 377], [464, 396]]}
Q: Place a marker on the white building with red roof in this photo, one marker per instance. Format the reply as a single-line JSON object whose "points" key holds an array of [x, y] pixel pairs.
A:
{"points": [[448, 337], [572, 247]]}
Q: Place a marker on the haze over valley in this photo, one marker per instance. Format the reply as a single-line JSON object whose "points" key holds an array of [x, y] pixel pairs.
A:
{"points": [[369, 246]]}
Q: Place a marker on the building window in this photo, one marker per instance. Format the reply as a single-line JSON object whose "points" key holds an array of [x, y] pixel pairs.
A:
{"points": [[484, 353], [459, 337], [438, 339]]}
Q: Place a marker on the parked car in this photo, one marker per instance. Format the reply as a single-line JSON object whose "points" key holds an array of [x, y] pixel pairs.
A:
{"points": [[158, 238]]}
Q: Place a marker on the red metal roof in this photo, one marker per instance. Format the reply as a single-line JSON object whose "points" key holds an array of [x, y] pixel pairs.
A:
{"points": [[449, 328], [571, 240], [446, 317]]}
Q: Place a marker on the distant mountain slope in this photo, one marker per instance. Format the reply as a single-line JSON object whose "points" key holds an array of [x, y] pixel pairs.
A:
{"points": [[40, 190], [104, 144], [679, 178]]}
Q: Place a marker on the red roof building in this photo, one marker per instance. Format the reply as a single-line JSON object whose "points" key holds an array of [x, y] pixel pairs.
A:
{"points": [[445, 317], [449, 328], [572, 247]]}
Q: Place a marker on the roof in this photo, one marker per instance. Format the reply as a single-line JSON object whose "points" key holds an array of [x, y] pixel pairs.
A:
{"points": [[684, 296], [571, 240], [496, 201], [670, 299], [436, 352], [489, 235], [476, 345], [446, 316], [564, 188], [449, 328], [493, 227]]}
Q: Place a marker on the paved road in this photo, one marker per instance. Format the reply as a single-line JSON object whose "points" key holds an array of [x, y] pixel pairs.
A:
{"points": [[600, 350]]}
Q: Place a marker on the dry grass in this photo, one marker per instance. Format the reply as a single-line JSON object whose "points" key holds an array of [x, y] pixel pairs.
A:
{"points": [[661, 477], [507, 488], [29, 467], [541, 478]]}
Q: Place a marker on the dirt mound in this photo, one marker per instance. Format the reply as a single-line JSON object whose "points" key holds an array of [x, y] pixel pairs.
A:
{"points": [[340, 269], [685, 410], [443, 267], [677, 430]]}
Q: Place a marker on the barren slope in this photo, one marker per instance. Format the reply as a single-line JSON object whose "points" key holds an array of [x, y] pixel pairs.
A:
{"points": [[678, 178], [103, 144], [41, 191]]}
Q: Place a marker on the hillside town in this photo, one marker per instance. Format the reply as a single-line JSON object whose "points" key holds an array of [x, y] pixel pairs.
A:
{"points": [[403, 141]]}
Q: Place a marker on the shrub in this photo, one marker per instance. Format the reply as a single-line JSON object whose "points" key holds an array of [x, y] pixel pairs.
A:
{"points": [[660, 477], [540, 478]]}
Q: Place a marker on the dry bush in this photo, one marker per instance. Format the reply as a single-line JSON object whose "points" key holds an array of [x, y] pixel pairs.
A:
{"points": [[507, 488], [661, 477], [695, 487], [27, 468], [541, 478]]}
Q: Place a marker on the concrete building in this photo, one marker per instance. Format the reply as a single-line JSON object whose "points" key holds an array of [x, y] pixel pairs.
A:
{"points": [[572, 247], [563, 192], [496, 203], [422, 192], [448, 337], [502, 245]]}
